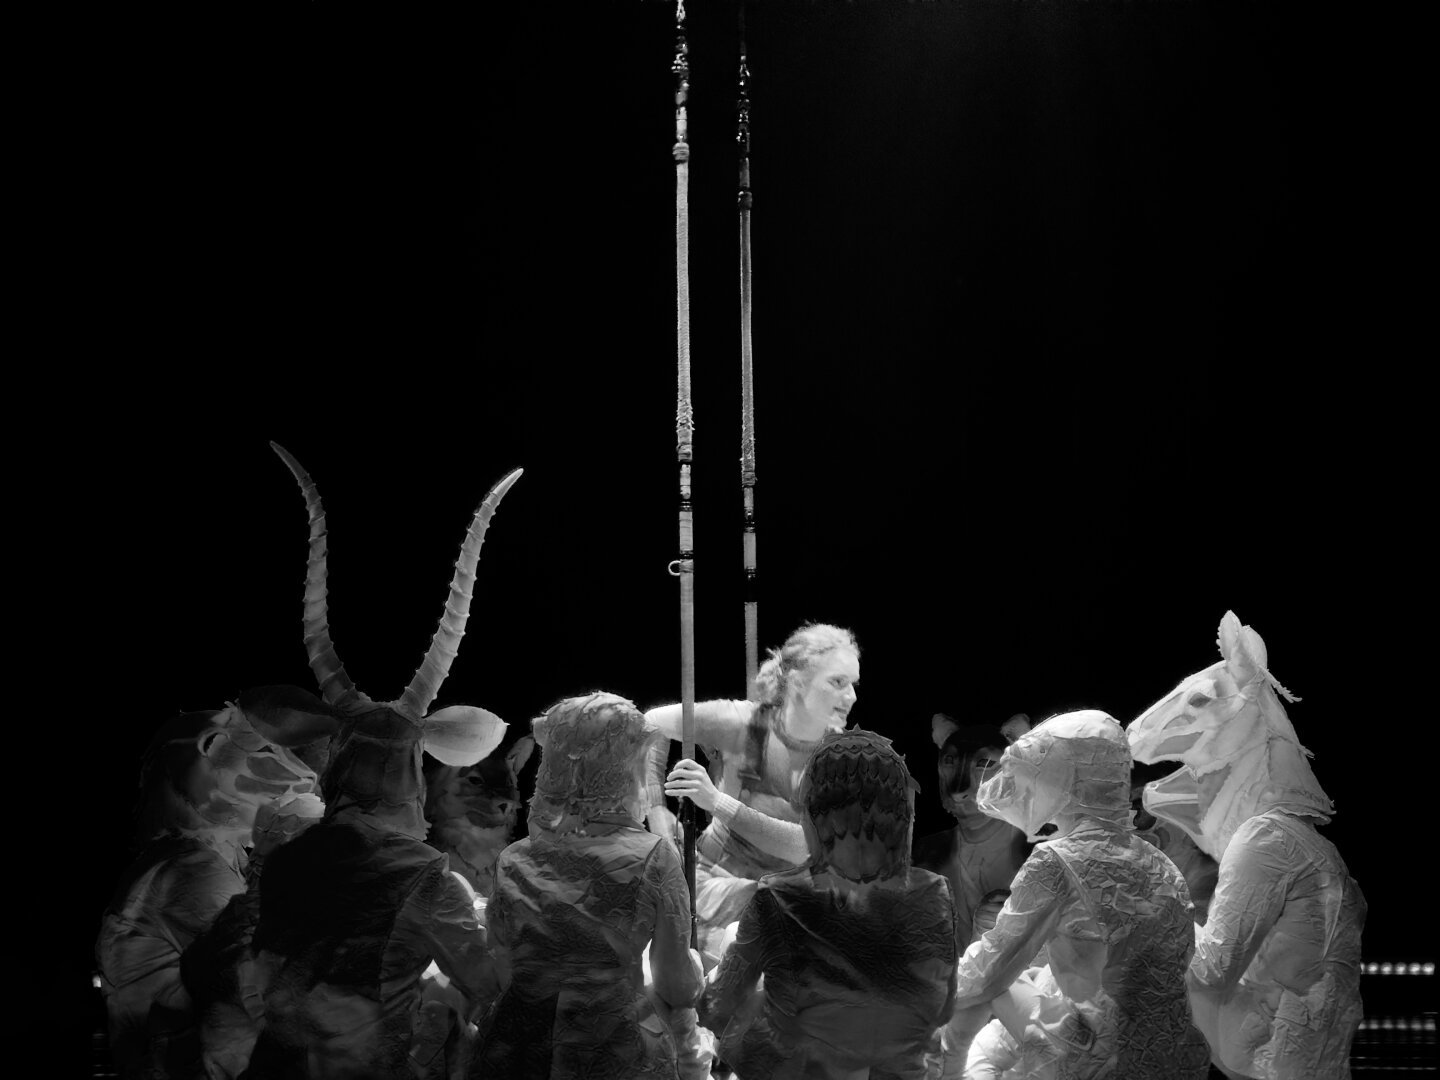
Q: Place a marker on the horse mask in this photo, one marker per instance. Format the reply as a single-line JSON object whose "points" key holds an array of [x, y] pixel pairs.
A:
{"points": [[1240, 754]]}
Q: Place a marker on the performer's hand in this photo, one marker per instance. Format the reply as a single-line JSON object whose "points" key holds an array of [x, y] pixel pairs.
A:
{"points": [[697, 966], [955, 1039], [690, 780], [663, 823]]}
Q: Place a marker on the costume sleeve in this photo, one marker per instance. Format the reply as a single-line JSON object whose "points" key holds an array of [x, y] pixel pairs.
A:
{"points": [[1024, 925], [439, 921], [1249, 896], [784, 839], [192, 892], [675, 973], [719, 728], [673, 979], [208, 967], [734, 980], [992, 1054]]}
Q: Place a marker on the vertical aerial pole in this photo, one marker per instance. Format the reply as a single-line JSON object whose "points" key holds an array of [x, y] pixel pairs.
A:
{"points": [[684, 567], [747, 379]]}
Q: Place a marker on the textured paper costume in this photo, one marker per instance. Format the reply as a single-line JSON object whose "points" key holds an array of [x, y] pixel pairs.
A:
{"points": [[980, 855], [205, 776], [1200, 871], [576, 904], [219, 969], [1110, 909], [994, 1053], [856, 948], [1275, 981], [355, 909]]}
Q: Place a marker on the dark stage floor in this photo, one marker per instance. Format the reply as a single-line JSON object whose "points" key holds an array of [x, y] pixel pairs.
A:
{"points": [[1397, 1036]]}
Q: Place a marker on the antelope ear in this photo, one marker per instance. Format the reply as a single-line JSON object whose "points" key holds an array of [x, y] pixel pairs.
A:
{"points": [[462, 734], [941, 728], [1242, 648], [289, 716], [520, 753]]}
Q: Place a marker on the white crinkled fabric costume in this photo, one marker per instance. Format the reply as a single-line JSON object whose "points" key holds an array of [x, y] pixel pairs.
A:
{"points": [[1275, 982], [1112, 910]]}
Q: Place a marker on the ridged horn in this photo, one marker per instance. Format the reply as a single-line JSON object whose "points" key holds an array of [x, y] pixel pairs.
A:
{"points": [[335, 685], [446, 642]]}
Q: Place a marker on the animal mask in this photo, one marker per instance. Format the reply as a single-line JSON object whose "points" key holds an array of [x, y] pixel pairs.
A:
{"points": [[968, 755], [1075, 763], [1240, 753], [375, 766], [206, 774], [473, 810]]}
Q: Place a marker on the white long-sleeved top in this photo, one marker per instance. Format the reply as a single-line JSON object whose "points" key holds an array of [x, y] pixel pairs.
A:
{"points": [[1116, 918], [1275, 981]]}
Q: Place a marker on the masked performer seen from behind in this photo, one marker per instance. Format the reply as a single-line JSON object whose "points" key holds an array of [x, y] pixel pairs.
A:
{"points": [[856, 948], [981, 855], [805, 689], [1275, 982], [575, 906], [1112, 910]]}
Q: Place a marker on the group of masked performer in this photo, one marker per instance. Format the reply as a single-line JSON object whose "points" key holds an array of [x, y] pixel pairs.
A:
{"points": [[1044, 936]]}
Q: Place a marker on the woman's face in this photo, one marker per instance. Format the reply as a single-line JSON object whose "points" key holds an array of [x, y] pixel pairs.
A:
{"points": [[830, 692]]}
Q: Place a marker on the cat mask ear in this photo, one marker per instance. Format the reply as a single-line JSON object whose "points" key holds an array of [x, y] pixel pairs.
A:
{"points": [[1016, 726], [941, 728]]}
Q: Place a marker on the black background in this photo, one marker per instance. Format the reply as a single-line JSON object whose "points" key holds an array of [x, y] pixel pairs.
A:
{"points": [[1070, 333]]}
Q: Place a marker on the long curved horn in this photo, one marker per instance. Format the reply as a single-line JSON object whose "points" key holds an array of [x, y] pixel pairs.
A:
{"points": [[446, 642], [335, 685]]}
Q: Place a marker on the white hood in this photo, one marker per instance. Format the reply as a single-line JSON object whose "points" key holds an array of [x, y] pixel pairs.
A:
{"points": [[1075, 763]]}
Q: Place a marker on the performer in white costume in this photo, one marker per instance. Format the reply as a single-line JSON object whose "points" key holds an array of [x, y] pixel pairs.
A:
{"points": [[1113, 912], [1275, 982]]}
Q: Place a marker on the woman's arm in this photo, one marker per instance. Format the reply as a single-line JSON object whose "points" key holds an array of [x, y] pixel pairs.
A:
{"points": [[784, 839], [719, 725]]}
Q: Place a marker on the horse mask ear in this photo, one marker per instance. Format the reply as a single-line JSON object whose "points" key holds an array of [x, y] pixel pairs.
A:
{"points": [[1242, 648], [941, 728]]}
